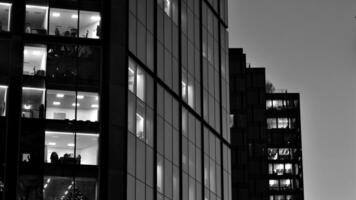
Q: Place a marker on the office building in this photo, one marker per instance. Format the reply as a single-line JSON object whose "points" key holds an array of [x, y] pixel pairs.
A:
{"points": [[265, 139], [114, 100], [248, 135], [285, 167]]}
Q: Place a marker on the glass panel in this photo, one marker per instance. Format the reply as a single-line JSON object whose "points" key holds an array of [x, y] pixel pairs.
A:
{"points": [[67, 188], [59, 148], [273, 183], [87, 148], [60, 105], [36, 19], [272, 154], [5, 13], [278, 169], [35, 58], [140, 82], [87, 106], [63, 22], [61, 67], [89, 62], [33, 102], [89, 24], [3, 93]]}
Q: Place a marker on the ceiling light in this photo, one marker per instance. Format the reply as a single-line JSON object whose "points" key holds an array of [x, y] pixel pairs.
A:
{"points": [[60, 95], [95, 18], [56, 14], [27, 107], [38, 7], [3, 86], [95, 106], [5, 4], [73, 104], [45, 186], [80, 97], [74, 16], [51, 144], [56, 103], [31, 88], [70, 145]]}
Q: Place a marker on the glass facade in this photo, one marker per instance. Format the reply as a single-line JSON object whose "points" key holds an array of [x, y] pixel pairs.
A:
{"points": [[186, 63]]}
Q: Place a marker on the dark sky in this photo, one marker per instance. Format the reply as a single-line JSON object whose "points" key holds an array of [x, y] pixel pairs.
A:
{"points": [[309, 46]]}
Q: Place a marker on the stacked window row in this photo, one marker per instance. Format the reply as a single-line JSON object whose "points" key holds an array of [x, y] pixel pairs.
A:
{"points": [[281, 104], [212, 166], [191, 156], [45, 20], [211, 68], [227, 173], [63, 64], [140, 164], [167, 43], [281, 169], [141, 26], [283, 184], [191, 62], [225, 94], [281, 123], [282, 197], [167, 146], [282, 154]]}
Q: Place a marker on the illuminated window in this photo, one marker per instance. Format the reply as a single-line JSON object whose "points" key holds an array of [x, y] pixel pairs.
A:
{"points": [[283, 123], [36, 19], [5, 14], [63, 22], [3, 94], [61, 105], [35, 58], [273, 184], [89, 24], [285, 183], [71, 148], [33, 102]]}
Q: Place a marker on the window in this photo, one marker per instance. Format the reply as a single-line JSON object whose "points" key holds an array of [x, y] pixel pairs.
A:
{"points": [[36, 19], [33, 102], [61, 105], [35, 57], [271, 123], [55, 187], [283, 123], [3, 93], [71, 148], [63, 22], [89, 24], [273, 184], [5, 13], [87, 106]]}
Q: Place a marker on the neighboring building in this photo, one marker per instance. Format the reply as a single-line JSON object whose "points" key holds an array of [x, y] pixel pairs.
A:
{"points": [[248, 135], [285, 167], [114, 99], [257, 171]]}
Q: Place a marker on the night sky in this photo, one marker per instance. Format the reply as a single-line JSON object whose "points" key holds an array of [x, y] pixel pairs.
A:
{"points": [[309, 46]]}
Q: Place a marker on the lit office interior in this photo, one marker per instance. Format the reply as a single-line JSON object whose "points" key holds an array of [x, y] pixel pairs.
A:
{"points": [[62, 22], [35, 58], [71, 148]]}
